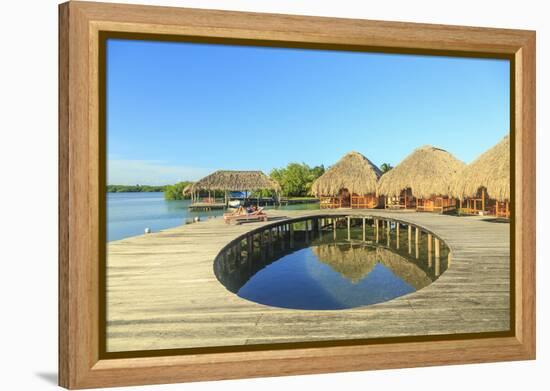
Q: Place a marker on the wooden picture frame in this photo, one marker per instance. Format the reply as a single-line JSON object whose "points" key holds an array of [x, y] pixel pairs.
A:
{"points": [[80, 165]]}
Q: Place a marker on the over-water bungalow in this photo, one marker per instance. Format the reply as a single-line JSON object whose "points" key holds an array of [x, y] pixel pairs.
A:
{"points": [[483, 187], [350, 183], [422, 181], [227, 181]]}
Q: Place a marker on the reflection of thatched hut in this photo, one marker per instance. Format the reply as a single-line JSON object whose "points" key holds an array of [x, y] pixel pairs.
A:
{"points": [[409, 272], [484, 185], [227, 181], [349, 183], [422, 181], [353, 262]]}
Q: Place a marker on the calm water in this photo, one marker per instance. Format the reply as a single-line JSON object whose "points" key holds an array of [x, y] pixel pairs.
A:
{"points": [[128, 214], [324, 273]]}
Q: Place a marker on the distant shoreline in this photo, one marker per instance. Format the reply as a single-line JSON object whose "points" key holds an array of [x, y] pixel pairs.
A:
{"points": [[135, 189]]}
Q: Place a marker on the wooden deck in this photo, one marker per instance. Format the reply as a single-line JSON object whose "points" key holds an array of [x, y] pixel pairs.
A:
{"points": [[162, 292]]}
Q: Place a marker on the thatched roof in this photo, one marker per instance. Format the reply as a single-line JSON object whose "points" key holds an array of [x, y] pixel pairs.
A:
{"points": [[353, 172], [226, 180], [490, 170], [427, 171]]}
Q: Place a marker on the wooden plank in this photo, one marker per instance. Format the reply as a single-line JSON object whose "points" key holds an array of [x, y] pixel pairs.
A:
{"points": [[170, 304]]}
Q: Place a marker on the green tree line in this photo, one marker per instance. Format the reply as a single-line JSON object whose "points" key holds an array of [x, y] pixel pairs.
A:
{"points": [[134, 188], [296, 178]]}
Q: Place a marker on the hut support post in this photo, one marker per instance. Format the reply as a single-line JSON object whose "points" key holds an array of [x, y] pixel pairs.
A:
{"points": [[364, 229], [376, 229], [334, 228], [349, 228]]}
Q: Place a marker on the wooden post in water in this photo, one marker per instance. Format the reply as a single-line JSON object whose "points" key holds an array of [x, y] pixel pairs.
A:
{"points": [[364, 229], [250, 248], [237, 249], [417, 242], [334, 220], [410, 238], [437, 259], [430, 245], [397, 226], [388, 231], [349, 227], [376, 229], [270, 239]]}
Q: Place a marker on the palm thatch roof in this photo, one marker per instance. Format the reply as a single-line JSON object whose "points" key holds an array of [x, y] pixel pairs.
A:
{"points": [[226, 180], [353, 172], [490, 170], [428, 171]]}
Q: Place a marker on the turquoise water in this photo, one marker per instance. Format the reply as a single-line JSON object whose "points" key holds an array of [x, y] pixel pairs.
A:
{"points": [[128, 214]]}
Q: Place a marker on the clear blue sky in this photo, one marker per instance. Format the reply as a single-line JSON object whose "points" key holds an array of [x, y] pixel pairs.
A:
{"points": [[177, 111]]}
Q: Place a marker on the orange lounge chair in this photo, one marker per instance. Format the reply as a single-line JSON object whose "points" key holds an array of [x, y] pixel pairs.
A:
{"points": [[239, 217]]}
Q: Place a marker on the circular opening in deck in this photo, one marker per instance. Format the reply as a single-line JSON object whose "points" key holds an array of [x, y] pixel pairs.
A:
{"points": [[331, 263]]}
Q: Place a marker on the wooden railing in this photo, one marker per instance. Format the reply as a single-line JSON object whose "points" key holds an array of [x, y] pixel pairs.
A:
{"points": [[364, 202], [330, 202]]}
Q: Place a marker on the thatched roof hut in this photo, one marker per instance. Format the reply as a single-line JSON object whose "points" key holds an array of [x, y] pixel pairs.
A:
{"points": [[490, 170], [226, 180], [353, 172], [428, 171]]}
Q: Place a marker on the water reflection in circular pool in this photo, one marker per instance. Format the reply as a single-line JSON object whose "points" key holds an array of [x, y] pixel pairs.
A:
{"points": [[330, 271]]}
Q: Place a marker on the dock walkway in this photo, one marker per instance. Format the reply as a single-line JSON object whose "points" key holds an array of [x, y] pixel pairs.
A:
{"points": [[162, 292]]}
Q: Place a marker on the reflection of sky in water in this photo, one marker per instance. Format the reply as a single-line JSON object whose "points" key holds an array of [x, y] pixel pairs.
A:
{"points": [[299, 280]]}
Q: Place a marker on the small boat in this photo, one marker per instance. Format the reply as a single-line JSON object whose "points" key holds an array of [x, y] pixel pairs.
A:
{"points": [[234, 203]]}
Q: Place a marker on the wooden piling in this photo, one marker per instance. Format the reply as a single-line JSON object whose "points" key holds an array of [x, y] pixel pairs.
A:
{"points": [[437, 257], [349, 228], [430, 249], [397, 228], [409, 228], [364, 229], [417, 242]]}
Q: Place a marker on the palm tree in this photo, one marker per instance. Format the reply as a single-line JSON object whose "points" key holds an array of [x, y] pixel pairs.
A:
{"points": [[385, 167]]}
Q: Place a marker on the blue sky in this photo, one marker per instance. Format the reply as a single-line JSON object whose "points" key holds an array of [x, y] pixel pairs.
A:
{"points": [[178, 111]]}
